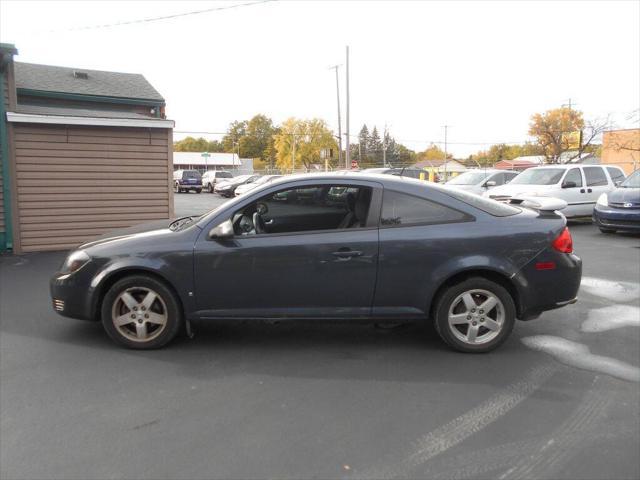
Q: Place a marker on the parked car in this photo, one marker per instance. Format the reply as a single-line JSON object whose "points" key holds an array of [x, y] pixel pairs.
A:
{"points": [[578, 185], [619, 210], [479, 181], [358, 247], [185, 180], [410, 172], [228, 187], [211, 177], [247, 187]]}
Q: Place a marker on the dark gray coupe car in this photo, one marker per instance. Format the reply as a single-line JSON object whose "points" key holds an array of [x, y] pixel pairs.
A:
{"points": [[332, 246]]}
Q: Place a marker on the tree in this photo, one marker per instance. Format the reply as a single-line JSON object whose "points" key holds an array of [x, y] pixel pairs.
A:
{"points": [[432, 152], [363, 142], [190, 144], [258, 137], [310, 137], [374, 148], [234, 133], [562, 130]]}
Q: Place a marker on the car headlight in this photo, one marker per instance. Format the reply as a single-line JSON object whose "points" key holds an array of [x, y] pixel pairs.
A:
{"points": [[603, 200], [75, 261]]}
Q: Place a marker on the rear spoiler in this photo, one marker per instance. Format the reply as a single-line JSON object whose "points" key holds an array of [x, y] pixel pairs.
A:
{"points": [[542, 204]]}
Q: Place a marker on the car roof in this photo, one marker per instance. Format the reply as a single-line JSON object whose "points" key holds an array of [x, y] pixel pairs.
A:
{"points": [[560, 165]]}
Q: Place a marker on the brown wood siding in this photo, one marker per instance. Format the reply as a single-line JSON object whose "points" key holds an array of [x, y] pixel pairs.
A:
{"points": [[74, 183], [5, 101]]}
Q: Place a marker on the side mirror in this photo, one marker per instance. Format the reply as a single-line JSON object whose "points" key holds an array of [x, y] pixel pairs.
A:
{"points": [[569, 184], [224, 230], [490, 183], [617, 183]]}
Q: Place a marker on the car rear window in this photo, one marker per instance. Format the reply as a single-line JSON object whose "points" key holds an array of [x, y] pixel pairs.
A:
{"points": [[616, 174], [402, 209], [224, 175], [487, 205], [191, 174]]}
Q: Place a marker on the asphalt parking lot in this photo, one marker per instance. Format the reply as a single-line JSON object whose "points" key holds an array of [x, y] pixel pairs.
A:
{"points": [[559, 400]]}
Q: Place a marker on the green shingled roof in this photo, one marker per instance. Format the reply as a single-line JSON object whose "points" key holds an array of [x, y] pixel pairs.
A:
{"points": [[49, 78]]}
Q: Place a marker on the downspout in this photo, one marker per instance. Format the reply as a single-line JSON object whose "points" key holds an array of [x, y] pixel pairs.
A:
{"points": [[6, 237]]}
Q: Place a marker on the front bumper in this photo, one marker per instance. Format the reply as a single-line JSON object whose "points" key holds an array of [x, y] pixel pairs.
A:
{"points": [[71, 294], [627, 219]]}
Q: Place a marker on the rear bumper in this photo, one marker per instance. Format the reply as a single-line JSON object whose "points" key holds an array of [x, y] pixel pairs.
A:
{"points": [[617, 219], [549, 289]]}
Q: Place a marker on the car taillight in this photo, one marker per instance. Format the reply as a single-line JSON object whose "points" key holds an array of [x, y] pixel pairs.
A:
{"points": [[564, 242]]}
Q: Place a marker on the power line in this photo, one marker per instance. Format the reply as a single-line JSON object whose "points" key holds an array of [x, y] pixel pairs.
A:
{"points": [[165, 17]]}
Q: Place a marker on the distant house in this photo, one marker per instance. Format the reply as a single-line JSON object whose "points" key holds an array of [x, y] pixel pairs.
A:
{"points": [[520, 163], [83, 152], [444, 168], [212, 161]]}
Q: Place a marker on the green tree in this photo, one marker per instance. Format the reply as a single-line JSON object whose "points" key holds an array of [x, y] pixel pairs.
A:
{"points": [[363, 142], [310, 137], [374, 149], [235, 132], [190, 144]]}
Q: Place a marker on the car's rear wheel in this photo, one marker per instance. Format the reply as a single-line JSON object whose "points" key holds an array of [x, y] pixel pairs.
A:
{"points": [[177, 188], [141, 312], [210, 188], [198, 190], [607, 230], [475, 316]]}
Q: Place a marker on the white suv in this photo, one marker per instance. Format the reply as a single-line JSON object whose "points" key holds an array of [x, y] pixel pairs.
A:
{"points": [[578, 185], [211, 177]]}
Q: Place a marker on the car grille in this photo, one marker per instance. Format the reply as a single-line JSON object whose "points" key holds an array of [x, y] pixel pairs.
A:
{"points": [[634, 206], [613, 223], [58, 305]]}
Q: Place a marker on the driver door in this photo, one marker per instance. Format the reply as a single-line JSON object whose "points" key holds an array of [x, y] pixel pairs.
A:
{"points": [[303, 263]]}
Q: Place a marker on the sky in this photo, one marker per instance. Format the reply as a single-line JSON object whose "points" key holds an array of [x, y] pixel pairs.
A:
{"points": [[481, 67]]}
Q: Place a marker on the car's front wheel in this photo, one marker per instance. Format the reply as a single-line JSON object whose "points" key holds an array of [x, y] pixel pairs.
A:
{"points": [[141, 312], [475, 316], [210, 188]]}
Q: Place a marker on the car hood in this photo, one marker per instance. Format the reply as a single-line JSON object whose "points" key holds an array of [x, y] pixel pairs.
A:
{"points": [[625, 195], [156, 229]]}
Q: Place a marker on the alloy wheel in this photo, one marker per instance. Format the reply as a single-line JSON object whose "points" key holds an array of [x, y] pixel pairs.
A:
{"points": [[139, 314], [476, 317]]}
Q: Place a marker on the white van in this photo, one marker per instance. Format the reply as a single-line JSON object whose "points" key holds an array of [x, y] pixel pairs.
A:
{"points": [[211, 177], [578, 185]]}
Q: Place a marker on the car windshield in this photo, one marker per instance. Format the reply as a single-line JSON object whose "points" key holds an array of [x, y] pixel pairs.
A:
{"points": [[632, 181], [241, 178], [539, 176], [224, 175], [469, 178]]}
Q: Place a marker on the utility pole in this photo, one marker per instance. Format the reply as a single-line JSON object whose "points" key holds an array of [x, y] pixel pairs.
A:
{"points": [[335, 67], [293, 152], [348, 151], [446, 127]]}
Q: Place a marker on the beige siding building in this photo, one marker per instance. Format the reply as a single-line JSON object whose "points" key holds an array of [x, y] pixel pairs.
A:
{"points": [[622, 148], [89, 151]]}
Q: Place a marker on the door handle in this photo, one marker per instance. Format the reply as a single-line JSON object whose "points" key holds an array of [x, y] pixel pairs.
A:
{"points": [[582, 190], [269, 222], [589, 190], [347, 253]]}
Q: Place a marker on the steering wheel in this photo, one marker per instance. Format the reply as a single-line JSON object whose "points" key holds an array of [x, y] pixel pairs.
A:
{"points": [[258, 223]]}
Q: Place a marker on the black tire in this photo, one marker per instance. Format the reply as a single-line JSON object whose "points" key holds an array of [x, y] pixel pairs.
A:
{"points": [[210, 188], [198, 190], [159, 335], [449, 298], [607, 230]]}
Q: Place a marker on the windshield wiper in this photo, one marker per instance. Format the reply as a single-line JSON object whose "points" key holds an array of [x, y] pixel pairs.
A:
{"points": [[182, 221]]}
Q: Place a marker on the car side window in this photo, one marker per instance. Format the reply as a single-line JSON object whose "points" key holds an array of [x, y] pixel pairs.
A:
{"points": [[402, 209], [308, 208], [574, 176], [595, 176], [498, 178], [616, 174]]}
